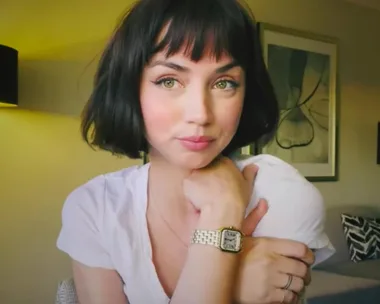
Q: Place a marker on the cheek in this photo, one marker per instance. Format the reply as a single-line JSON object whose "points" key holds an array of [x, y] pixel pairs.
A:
{"points": [[159, 116], [228, 117]]}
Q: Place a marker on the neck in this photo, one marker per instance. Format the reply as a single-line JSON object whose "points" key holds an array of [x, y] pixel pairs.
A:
{"points": [[165, 187]]}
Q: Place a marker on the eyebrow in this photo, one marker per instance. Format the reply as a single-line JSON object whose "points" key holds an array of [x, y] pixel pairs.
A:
{"points": [[181, 68]]}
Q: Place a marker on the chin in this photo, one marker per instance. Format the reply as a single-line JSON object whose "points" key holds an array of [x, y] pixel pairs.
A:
{"points": [[186, 159], [193, 162]]}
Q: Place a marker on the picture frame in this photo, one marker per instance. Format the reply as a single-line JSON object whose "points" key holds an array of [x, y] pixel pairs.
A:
{"points": [[303, 68]]}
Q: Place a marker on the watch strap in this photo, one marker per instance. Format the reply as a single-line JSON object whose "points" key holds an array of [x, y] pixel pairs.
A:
{"points": [[206, 237]]}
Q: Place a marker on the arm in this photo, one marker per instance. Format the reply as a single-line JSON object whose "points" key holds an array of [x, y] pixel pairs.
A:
{"points": [[220, 192], [82, 238], [296, 213], [98, 285], [296, 207], [209, 274]]}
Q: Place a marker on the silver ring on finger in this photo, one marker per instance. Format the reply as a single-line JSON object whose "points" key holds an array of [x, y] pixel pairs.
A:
{"points": [[290, 280]]}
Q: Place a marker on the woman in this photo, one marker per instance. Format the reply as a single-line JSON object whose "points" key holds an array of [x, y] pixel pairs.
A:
{"points": [[184, 81]]}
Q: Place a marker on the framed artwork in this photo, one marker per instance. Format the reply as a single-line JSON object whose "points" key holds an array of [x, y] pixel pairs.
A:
{"points": [[303, 70]]}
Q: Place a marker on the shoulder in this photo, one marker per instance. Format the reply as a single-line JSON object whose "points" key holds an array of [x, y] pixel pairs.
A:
{"points": [[91, 211], [296, 207], [295, 204], [276, 174], [270, 165], [103, 191], [281, 182]]}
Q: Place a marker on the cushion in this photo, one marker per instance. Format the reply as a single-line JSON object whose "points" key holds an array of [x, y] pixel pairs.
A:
{"points": [[363, 237]]}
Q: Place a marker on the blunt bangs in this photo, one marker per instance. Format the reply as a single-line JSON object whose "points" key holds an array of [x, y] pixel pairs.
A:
{"points": [[200, 28], [112, 118]]}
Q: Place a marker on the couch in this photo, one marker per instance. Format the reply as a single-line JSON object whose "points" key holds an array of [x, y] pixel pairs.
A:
{"points": [[339, 280]]}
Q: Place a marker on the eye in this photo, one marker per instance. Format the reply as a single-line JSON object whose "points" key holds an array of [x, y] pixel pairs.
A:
{"points": [[225, 84], [167, 83]]}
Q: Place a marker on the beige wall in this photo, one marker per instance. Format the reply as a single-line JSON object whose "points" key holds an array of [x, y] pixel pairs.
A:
{"points": [[42, 157]]}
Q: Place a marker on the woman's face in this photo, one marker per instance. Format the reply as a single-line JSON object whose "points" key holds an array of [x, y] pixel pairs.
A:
{"points": [[191, 109]]}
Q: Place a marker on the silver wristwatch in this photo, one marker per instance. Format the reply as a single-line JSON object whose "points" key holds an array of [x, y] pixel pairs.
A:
{"points": [[226, 239]]}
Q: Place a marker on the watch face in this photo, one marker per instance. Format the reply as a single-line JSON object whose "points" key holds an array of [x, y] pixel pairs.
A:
{"points": [[230, 240]]}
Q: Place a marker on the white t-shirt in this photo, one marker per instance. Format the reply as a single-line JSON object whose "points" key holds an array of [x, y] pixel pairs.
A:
{"points": [[104, 222]]}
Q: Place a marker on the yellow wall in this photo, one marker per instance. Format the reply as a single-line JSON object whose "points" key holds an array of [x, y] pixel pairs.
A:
{"points": [[42, 160], [42, 157]]}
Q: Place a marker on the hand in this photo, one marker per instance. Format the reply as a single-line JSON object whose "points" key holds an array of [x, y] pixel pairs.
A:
{"points": [[220, 184], [266, 264]]}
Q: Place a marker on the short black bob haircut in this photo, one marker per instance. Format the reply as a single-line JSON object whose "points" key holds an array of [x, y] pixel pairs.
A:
{"points": [[112, 119]]}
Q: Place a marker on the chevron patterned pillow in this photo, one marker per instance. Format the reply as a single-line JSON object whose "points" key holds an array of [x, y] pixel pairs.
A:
{"points": [[363, 237]]}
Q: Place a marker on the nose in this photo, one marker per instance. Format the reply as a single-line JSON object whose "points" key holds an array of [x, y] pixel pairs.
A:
{"points": [[198, 108]]}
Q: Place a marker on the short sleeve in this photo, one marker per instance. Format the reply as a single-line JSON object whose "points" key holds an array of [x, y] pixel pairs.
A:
{"points": [[81, 232], [296, 207]]}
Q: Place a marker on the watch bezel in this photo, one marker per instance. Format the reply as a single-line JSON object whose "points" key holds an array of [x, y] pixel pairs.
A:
{"points": [[238, 232]]}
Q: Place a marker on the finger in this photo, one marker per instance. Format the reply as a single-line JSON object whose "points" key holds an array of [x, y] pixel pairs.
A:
{"points": [[254, 217], [284, 296], [296, 283], [293, 249], [301, 295], [308, 277], [250, 172], [309, 257], [293, 267]]}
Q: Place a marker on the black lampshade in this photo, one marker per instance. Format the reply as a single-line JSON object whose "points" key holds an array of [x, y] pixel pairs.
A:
{"points": [[8, 75]]}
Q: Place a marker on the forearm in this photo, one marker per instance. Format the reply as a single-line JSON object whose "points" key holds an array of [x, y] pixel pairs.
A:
{"points": [[209, 274]]}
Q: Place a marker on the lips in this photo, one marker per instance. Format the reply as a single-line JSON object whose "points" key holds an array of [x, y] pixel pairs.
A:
{"points": [[198, 138], [196, 143]]}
